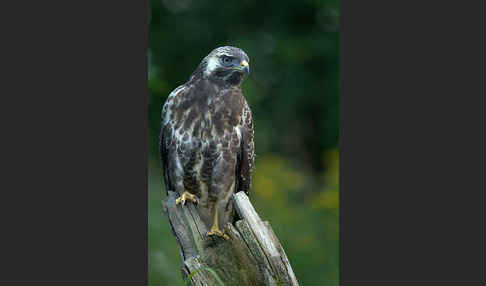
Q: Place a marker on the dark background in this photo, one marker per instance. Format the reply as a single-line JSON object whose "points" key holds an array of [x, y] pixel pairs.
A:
{"points": [[293, 92]]}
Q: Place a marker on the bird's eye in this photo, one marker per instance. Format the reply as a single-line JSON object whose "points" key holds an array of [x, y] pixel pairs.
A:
{"points": [[227, 60]]}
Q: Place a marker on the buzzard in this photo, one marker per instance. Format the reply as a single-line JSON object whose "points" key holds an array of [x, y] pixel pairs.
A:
{"points": [[206, 139]]}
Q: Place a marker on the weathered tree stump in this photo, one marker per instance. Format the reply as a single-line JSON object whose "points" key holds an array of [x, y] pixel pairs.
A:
{"points": [[252, 256]]}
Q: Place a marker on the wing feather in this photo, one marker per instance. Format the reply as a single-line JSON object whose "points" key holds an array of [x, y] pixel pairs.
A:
{"points": [[166, 132], [246, 154]]}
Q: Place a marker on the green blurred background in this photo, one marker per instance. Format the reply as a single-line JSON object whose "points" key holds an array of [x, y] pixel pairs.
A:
{"points": [[293, 92]]}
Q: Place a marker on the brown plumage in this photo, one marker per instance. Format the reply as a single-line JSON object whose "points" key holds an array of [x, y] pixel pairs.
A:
{"points": [[206, 145]]}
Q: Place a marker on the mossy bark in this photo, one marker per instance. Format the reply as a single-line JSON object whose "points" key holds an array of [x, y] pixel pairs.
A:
{"points": [[251, 256]]}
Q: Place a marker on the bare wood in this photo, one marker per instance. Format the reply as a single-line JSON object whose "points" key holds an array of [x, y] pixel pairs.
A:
{"points": [[252, 256]]}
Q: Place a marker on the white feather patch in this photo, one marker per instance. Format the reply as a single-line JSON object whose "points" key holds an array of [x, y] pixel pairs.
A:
{"points": [[212, 65]]}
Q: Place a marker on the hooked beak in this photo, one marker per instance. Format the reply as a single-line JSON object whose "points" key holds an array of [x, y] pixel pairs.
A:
{"points": [[245, 67]]}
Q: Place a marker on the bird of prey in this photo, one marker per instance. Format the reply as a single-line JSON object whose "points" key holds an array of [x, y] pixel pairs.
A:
{"points": [[206, 139]]}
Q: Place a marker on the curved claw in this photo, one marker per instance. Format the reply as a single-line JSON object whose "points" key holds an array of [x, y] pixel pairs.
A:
{"points": [[218, 233], [186, 197]]}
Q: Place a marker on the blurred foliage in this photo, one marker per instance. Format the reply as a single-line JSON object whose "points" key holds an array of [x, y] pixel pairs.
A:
{"points": [[293, 92]]}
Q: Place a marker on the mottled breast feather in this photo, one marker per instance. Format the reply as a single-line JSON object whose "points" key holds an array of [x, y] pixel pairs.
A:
{"points": [[202, 125]]}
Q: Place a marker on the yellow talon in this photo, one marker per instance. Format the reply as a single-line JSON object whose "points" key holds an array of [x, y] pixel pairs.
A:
{"points": [[215, 228], [186, 197], [218, 232]]}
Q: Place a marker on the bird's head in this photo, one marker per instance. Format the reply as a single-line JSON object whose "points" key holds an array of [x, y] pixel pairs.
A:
{"points": [[228, 65]]}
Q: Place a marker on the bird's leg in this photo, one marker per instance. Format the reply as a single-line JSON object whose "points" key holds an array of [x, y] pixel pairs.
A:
{"points": [[186, 196], [215, 228]]}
